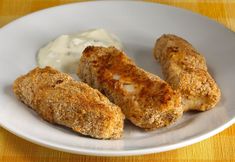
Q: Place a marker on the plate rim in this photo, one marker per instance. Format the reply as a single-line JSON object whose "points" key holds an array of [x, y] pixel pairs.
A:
{"points": [[116, 1], [96, 152], [110, 153]]}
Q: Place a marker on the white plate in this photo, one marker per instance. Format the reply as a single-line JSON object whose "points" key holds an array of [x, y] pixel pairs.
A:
{"points": [[138, 24]]}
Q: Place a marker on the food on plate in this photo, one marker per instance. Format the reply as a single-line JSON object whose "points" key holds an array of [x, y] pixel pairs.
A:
{"points": [[60, 99], [145, 99], [186, 71], [64, 52]]}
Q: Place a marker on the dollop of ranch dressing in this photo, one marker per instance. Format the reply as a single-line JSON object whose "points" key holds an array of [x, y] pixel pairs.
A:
{"points": [[65, 51]]}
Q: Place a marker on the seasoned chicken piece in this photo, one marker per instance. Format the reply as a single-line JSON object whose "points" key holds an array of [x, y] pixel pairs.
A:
{"points": [[145, 99], [59, 99], [186, 71]]}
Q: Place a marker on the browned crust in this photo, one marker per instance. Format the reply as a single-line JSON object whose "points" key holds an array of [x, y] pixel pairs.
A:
{"points": [[151, 105], [60, 99], [186, 71]]}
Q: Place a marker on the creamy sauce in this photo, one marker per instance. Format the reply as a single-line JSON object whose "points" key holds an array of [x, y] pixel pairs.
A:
{"points": [[65, 51]]}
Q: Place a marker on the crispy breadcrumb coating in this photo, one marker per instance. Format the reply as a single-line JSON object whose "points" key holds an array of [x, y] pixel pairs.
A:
{"points": [[145, 99], [59, 99], [186, 71]]}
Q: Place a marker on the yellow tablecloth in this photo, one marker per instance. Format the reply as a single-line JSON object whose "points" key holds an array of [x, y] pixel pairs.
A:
{"points": [[221, 147]]}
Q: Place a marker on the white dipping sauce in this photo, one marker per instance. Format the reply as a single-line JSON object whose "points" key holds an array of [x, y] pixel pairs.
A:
{"points": [[65, 51]]}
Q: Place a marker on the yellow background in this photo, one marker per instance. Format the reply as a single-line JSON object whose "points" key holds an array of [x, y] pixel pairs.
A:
{"points": [[221, 147]]}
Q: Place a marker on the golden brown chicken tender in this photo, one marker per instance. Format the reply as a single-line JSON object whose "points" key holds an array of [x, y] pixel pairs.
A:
{"points": [[186, 71], [145, 99], [60, 99]]}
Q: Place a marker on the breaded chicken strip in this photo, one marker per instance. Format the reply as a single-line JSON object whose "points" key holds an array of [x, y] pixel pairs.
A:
{"points": [[60, 99], [186, 71], [145, 99]]}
